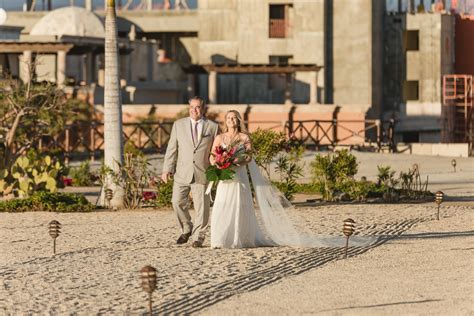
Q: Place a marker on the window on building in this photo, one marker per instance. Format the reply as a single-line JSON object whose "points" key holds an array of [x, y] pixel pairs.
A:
{"points": [[412, 40], [411, 137], [279, 16], [280, 60], [411, 91]]}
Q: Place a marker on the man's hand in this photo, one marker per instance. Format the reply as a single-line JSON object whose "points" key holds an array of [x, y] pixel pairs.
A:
{"points": [[165, 176]]}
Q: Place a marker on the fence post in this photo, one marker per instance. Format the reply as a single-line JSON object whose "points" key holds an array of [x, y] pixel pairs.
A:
{"points": [[391, 135], [92, 141], [66, 146], [160, 126], [139, 136], [379, 145]]}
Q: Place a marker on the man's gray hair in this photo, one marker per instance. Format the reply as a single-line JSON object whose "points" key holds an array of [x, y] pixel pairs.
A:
{"points": [[198, 98]]}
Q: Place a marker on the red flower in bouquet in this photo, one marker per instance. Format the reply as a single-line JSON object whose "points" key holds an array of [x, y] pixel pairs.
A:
{"points": [[225, 157]]}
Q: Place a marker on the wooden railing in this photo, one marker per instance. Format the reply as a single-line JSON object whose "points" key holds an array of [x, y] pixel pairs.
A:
{"points": [[324, 133], [86, 139]]}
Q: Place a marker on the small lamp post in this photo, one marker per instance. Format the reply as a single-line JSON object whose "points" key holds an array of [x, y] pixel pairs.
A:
{"points": [[109, 194], [348, 230], [453, 163], [54, 231], [438, 200], [148, 283]]}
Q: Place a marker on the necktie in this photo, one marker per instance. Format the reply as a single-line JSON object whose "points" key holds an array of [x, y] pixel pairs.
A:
{"points": [[195, 134]]}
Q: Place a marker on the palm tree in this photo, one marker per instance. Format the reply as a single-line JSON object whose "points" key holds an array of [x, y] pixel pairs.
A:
{"points": [[113, 138]]}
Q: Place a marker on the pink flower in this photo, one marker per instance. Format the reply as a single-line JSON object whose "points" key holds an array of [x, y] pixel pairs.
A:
{"points": [[67, 181], [149, 196]]}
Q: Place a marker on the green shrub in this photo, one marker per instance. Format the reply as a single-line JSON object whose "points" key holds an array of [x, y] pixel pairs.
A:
{"points": [[48, 202], [81, 176], [266, 145], [357, 190], [289, 170], [164, 193], [308, 188], [332, 171], [129, 148]]}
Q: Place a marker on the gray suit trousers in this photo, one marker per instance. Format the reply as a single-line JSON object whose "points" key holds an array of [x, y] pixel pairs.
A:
{"points": [[201, 203]]}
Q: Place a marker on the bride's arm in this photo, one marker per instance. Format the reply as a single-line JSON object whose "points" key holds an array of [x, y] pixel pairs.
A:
{"points": [[216, 143]]}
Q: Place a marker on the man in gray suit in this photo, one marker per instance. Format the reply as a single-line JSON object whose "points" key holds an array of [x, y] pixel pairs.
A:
{"points": [[187, 158]]}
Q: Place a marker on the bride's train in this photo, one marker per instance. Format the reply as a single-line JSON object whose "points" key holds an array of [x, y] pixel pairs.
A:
{"points": [[236, 223]]}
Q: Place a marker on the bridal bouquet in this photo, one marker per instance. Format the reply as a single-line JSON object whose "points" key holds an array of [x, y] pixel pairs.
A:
{"points": [[226, 159]]}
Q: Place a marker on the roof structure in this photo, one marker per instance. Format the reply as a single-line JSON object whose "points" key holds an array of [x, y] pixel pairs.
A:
{"points": [[73, 21]]}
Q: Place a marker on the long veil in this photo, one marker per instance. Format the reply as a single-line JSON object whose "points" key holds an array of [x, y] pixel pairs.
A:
{"points": [[273, 209]]}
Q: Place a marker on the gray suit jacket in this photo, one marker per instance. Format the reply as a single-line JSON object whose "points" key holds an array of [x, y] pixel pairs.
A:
{"points": [[182, 158]]}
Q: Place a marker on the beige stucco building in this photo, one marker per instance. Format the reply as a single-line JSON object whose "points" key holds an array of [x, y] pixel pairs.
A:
{"points": [[319, 59]]}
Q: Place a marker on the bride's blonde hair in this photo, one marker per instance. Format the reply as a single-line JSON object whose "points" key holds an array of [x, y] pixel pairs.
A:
{"points": [[240, 126]]}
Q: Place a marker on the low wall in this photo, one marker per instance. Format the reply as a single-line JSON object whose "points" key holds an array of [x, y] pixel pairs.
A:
{"points": [[446, 150]]}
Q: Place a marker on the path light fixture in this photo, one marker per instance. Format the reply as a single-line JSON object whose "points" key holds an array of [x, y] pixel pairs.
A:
{"points": [[109, 194], [148, 283], [348, 230], [453, 163], [438, 200], [54, 231]]}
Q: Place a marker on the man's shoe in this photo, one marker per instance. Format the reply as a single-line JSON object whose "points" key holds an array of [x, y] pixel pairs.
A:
{"points": [[197, 244], [183, 238]]}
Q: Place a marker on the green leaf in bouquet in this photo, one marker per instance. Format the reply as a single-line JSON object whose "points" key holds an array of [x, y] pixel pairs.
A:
{"points": [[226, 174], [211, 174], [215, 174]]}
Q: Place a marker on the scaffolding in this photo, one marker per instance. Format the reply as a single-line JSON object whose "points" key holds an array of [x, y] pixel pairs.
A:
{"points": [[457, 109]]}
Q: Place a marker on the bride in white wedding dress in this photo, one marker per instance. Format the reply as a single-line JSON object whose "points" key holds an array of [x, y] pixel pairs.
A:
{"points": [[235, 223]]}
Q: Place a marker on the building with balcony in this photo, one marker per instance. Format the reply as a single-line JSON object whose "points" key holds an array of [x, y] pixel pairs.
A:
{"points": [[275, 60]]}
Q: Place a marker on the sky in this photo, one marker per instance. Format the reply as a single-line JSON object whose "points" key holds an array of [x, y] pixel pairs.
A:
{"points": [[17, 5]]}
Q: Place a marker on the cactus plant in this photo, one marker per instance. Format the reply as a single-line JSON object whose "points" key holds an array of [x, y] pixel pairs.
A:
{"points": [[30, 175]]}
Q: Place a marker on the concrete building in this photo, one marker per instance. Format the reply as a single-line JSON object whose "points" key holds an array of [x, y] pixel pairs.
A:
{"points": [[413, 89], [319, 59]]}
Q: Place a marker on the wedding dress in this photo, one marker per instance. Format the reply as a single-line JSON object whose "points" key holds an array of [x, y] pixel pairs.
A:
{"points": [[235, 223]]}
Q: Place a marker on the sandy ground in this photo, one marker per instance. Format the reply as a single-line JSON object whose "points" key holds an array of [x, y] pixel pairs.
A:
{"points": [[421, 266], [425, 268]]}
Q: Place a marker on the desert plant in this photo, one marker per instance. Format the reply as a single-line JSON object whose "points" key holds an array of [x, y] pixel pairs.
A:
{"points": [[289, 171], [28, 112], [266, 146], [31, 173], [330, 172], [386, 180], [358, 190], [133, 176], [411, 184]]}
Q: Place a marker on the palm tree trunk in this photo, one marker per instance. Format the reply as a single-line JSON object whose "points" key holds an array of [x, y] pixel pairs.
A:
{"points": [[113, 141]]}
